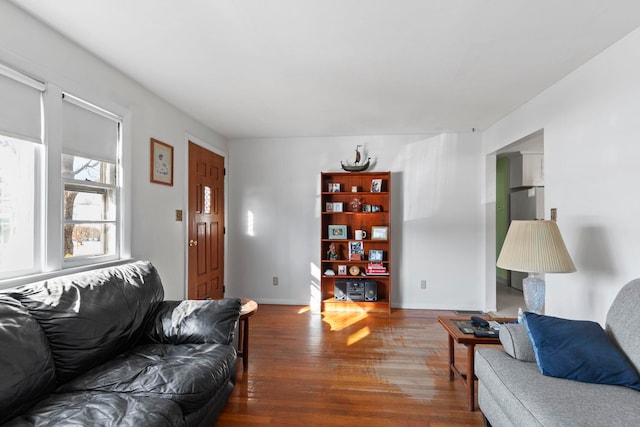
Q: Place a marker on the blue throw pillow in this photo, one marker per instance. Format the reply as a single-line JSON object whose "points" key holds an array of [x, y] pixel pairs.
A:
{"points": [[578, 350]]}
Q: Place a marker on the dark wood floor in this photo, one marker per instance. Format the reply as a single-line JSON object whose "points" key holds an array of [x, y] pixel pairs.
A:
{"points": [[347, 370]]}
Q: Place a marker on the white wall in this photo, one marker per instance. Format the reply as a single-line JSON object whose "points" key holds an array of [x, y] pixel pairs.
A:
{"points": [[32, 47], [592, 152], [437, 217], [441, 192]]}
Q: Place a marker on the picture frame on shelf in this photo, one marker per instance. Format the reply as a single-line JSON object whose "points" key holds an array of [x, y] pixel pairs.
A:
{"points": [[342, 270], [356, 250], [334, 187], [379, 232], [328, 207], [337, 206], [376, 255], [366, 208], [337, 232], [376, 185]]}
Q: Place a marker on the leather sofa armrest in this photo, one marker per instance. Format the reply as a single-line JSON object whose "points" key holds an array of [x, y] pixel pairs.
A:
{"points": [[194, 322]]}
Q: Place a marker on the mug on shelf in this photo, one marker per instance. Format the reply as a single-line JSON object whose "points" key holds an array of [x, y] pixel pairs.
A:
{"points": [[360, 234]]}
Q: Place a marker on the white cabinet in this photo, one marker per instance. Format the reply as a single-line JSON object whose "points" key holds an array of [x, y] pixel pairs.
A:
{"points": [[526, 170]]}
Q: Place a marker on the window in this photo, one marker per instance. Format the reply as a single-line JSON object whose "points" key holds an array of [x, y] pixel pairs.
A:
{"points": [[20, 146], [19, 225], [60, 197], [90, 206], [89, 174]]}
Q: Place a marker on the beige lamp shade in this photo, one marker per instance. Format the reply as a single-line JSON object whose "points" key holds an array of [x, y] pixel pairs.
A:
{"points": [[535, 247]]}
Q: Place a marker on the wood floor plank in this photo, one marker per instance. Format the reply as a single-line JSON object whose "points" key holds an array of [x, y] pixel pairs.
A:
{"points": [[347, 370]]}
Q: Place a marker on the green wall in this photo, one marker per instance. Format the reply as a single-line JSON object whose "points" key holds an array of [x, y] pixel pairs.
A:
{"points": [[502, 211]]}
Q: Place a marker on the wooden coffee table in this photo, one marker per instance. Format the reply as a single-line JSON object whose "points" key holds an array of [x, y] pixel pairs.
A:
{"points": [[470, 341]]}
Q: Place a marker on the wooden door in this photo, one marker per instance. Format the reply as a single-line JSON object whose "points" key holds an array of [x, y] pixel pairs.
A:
{"points": [[206, 224]]}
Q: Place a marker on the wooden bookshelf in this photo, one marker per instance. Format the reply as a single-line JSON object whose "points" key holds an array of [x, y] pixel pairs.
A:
{"points": [[371, 214]]}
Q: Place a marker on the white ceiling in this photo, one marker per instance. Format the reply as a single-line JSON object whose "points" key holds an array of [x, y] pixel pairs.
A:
{"points": [[280, 68]]}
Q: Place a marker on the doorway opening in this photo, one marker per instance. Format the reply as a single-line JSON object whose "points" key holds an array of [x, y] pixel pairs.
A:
{"points": [[519, 196]]}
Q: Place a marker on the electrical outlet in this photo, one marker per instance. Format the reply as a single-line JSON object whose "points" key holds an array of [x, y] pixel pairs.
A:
{"points": [[275, 280], [423, 284]]}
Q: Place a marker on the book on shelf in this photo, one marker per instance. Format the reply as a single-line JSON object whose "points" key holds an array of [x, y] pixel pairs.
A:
{"points": [[376, 269]]}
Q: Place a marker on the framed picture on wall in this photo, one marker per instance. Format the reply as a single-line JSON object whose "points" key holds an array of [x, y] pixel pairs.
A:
{"points": [[161, 162]]}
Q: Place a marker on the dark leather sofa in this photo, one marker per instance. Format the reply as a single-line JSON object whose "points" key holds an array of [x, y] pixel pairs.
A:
{"points": [[102, 348]]}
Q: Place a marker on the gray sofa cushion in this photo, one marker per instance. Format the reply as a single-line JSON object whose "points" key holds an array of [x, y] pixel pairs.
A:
{"points": [[516, 342], [527, 398], [623, 313]]}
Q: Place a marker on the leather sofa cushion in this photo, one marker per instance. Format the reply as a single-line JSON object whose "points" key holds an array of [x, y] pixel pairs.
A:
{"points": [[26, 363], [189, 374], [191, 321], [90, 317], [101, 410]]}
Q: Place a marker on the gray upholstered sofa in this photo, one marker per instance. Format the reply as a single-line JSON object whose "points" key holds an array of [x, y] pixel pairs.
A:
{"points": [[513, 392]]}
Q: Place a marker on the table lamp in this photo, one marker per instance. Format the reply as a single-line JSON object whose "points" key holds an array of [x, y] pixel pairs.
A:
{"points": [[534, 247]]}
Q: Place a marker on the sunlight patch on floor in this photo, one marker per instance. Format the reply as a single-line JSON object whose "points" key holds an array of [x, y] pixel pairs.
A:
{"points": [[357, 336], [340, 321]]}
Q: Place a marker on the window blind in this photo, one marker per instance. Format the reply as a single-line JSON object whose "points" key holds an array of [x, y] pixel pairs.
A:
{"points": [[20, 105], [89, 131]]}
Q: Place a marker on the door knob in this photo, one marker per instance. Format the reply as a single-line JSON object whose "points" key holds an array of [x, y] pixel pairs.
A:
{"points": [[193, 243]]}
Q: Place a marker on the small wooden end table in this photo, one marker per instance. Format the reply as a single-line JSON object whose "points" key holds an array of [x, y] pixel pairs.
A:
{"points": [[470, 341], [248, 309]]}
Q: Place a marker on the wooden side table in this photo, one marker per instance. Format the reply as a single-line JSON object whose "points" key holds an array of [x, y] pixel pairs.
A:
{"points": [[248, 309], [470, 341]]}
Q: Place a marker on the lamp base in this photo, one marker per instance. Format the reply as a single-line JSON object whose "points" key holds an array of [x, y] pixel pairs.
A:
{"points": [[533, 289]]}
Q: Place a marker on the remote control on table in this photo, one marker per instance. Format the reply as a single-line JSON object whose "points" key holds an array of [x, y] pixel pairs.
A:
{"points": [[479, 322]]}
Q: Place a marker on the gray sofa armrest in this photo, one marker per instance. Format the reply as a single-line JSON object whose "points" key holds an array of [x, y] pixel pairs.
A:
{"points": [[194, 322], [516, 342]]}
